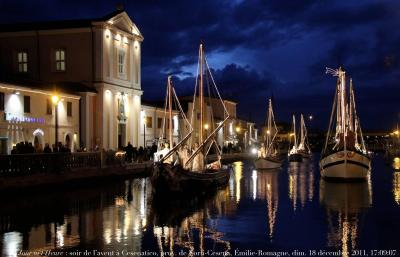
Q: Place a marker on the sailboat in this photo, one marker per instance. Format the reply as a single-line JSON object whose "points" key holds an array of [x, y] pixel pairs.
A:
{"points": [[344, 155], [303, 148], [293, 154], [191, 174], [267, 154]]}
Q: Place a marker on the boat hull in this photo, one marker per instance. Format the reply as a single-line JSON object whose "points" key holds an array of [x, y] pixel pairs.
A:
{"points": [[345, 165], [174, 179], [296, 157], [267, 163]]}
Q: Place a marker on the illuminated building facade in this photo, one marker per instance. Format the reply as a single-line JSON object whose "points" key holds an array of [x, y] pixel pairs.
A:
{"points": [[29, 115], [96, 60]]}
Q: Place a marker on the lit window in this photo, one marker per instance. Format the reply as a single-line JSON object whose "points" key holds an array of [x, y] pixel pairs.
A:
{"points": [[121, 63], [149, 122], [60, 60], [22, 62]]}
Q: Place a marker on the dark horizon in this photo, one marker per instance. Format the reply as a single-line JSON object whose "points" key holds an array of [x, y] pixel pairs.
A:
{"points": [[260, 49]]}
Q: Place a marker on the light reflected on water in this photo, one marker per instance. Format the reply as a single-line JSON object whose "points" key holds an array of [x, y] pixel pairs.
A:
{"points": [[301, 183], [396, 163], [396, 187], [344, 204], [257, 209]]}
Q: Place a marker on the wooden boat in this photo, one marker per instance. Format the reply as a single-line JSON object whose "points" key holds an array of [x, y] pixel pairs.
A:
{"points": [[344, 156], [303, 148], [267, 154], [192, 174], [293, 153]]}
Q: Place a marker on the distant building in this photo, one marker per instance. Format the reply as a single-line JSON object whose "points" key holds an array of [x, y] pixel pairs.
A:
{"points": [[235, 131], [154, 124], [95, 61]]}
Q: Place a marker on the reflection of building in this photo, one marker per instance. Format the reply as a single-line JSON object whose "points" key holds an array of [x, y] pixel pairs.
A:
{"points": [[301, 183], [97, 59], [110, 219], [29, 115], [344, 203], [154, 121]]}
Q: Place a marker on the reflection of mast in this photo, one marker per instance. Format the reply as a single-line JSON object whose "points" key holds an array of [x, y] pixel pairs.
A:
{"points": [[396, 187], [301, 183], [268, 189], [344, 202]]}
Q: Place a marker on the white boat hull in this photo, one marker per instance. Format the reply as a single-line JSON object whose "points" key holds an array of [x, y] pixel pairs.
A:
{"points": [[345, 165], [266, 163]]}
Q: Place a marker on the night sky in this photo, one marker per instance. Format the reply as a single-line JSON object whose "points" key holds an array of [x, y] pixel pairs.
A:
{"points": [[260, 48]]}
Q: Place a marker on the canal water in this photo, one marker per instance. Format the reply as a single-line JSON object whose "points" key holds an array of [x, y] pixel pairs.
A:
{"points": [[290, 211]]}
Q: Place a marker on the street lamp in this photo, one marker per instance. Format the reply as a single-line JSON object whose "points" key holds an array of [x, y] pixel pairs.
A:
{"points": [[56, 99]]}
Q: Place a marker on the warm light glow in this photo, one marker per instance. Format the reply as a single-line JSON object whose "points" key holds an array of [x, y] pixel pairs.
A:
{"points": [[291, 134], [55, 99], [396, 163], [268, 132], [396, 132], [206, 126], [254, 150], [238, 129]]}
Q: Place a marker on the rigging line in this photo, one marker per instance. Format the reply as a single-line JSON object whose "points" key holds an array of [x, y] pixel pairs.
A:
{"points": [[194, 95], [331, 119], [215, 86], [165, 112]]}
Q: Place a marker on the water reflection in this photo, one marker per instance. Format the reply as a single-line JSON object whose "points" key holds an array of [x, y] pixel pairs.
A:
{"points": [[109, 218], [252, 212], [396, 163], [344, 203], [267, 189], [396, 187], [301, 183]]}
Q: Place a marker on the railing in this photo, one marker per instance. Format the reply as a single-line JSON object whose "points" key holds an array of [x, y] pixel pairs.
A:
{"points": [[25, 164]]}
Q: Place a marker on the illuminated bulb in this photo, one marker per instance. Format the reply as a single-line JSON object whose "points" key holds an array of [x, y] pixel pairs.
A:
{"points": [[55, 99], [206, 126]]}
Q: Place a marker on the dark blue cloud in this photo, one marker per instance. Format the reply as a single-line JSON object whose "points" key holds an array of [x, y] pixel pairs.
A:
{"points": [[258, 48]]}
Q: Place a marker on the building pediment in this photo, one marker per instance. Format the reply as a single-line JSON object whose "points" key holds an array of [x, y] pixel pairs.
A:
{"points": [[123, 22]]}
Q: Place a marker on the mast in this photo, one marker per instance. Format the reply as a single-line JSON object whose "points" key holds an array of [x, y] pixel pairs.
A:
{"points": [[170, 110], [201, 92], [269, 123], [351, 109], [302, 128], [294, 132]]}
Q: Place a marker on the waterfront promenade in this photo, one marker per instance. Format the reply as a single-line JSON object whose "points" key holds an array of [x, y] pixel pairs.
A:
{"points": [[23, 171]]}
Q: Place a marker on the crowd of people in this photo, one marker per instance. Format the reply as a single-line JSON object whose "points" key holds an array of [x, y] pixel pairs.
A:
{"points": [[28, 148]]}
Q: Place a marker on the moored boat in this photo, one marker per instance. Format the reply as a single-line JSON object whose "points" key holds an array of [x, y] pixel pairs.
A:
{"points": [[293, 154], [267, 154], [345, 156], [190, 174]]}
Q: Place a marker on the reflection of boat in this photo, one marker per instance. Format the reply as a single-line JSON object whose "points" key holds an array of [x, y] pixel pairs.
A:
{"points": [[171, 212], [197, 231], [265, 184], [268, 155], [294, 154], [192, 174], [344, 155], [301, 183], [344, 203]]}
